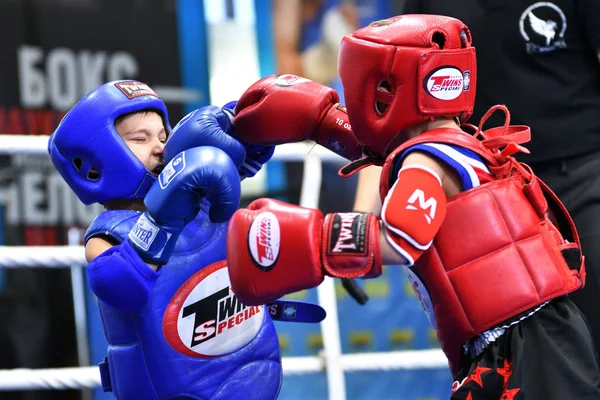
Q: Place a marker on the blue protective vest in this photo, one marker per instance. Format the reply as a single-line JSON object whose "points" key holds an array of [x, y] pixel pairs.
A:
{"points": [[193, 339]]}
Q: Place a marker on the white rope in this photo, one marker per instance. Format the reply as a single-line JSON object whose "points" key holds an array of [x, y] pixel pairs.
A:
{"points": [[89, 377], [41, 256], [393, 360], [58, 378], [24, 144]]}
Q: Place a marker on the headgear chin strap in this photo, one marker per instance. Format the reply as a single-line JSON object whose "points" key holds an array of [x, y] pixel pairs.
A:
{"points": [[404, 70], [89, 153]]}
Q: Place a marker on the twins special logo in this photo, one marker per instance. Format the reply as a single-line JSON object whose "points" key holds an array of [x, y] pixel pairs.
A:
{"points": [[264, 240], [289, 80], [205, 319], [543, 27], [447, 83], [173, 168], [133, 89], [348, 233]]}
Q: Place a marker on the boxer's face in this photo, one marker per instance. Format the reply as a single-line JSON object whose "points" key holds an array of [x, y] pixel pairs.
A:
{"points": [[145, 135]]}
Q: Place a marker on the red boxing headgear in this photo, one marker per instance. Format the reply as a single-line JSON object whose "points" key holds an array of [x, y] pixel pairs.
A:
{"points": [[403, 70]]}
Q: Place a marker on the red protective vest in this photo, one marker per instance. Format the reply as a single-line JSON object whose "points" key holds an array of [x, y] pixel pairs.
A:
{"points": [[497, 252]]}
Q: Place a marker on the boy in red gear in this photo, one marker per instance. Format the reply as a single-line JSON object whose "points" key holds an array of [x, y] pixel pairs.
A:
{"points": [[490, 251]]}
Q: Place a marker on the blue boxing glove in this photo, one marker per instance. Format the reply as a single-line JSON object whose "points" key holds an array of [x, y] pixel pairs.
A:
{"points": [[207, 126], [213, 126], [175, 198], [256, 156]]}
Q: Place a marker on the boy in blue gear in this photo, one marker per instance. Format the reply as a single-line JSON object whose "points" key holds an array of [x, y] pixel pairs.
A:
{"points": [[156, 254]]}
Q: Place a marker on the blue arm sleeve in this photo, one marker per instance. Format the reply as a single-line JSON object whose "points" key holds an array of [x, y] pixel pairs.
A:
{"points": [[120, 278]]}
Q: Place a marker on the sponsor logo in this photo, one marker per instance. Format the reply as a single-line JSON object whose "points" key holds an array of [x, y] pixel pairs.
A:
{"points": [[174, 168], [335, 145], [422, 294], [133, 89], [143, 233], [445, 83], [286, 80], [348, 233], [205, 319], [289, 311], [543, 27], [279, 310], [430, 204], [264, 240]]}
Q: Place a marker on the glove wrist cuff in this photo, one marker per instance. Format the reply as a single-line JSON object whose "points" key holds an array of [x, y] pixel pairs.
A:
{"points": [[351, 245], [152, 241]]}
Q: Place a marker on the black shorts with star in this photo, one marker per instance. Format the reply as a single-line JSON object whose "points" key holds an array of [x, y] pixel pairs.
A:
{"points": [[547, 356]]}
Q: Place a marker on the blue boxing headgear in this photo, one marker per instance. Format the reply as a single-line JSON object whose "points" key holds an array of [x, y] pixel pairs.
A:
{"points": [[89, 153]]}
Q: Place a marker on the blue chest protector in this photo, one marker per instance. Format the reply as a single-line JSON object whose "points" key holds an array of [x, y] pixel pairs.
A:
{"points": [[193, 339]]}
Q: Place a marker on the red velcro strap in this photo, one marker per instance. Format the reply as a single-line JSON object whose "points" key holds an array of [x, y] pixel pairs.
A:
{"points": [[350, 247]]}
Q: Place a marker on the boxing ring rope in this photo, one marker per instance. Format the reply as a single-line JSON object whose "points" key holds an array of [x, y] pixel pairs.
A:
{"points": [[89, 377], [331, 360]]}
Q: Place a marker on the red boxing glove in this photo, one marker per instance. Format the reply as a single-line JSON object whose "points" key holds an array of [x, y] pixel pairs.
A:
{"points": [[287, 108], [275, 248]]}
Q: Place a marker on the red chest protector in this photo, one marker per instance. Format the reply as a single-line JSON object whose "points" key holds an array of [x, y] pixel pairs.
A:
{"points": [[497, 252]]}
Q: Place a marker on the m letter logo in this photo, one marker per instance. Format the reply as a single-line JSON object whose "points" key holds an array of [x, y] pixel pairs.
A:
{"points": [[430, 203]]}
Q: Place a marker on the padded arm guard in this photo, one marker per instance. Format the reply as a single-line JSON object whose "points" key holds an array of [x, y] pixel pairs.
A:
{"points": [[120, 278]]}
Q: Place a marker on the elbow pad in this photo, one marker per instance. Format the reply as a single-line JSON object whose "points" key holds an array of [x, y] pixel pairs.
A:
{"points": [[120, 278], [413, 211]]}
